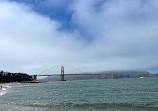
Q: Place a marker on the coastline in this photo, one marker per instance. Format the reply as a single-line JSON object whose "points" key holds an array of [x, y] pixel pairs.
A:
{"points": [[11, 107]]}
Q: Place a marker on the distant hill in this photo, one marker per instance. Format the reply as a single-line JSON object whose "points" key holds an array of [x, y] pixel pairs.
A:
{"points": [[104, 75]]}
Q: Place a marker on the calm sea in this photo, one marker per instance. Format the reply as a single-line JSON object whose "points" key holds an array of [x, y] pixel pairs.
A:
{"points": [[86, 95]]}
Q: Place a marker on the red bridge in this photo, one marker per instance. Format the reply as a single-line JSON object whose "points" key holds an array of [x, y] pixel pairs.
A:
{"points": [[63, 74]]}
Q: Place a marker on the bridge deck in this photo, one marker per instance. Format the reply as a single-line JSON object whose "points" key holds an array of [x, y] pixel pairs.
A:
{"points": [[66, 74]]}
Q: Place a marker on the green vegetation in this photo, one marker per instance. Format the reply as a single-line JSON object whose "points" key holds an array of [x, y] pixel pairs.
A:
{"points": [[14, 77]]}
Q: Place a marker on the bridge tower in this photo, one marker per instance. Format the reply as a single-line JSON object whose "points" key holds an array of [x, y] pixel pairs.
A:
{"points": [[62, 73]]}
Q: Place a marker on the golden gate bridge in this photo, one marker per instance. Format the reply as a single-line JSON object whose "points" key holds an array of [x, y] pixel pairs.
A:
{"points": [[62, 75]]}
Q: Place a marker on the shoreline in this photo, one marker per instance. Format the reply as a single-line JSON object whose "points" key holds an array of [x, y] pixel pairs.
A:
{"points": [[14, 107]]}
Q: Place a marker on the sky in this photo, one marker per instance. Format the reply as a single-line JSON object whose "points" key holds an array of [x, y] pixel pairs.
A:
{"points": [[83, 35]]}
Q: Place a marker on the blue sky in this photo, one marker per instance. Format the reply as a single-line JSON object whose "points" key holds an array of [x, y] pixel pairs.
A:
{"points": [[90, 35], [54, 9]]}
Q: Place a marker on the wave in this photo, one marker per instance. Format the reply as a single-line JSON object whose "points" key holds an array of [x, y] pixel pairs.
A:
{"points": [[3, 90], [115, 105], [7, 86], [121, 106], [2, 93]]}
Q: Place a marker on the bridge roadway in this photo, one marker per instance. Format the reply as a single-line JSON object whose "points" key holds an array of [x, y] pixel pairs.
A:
{"points": [[66, 74], [63, 74]]}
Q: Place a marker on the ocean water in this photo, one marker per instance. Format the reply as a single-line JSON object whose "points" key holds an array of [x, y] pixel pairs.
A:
{"points": [[86, 95]]}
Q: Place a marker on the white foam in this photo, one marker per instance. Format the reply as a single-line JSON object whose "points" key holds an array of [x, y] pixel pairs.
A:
{"points": [[2, 93], [3, 89], [7, 86]]}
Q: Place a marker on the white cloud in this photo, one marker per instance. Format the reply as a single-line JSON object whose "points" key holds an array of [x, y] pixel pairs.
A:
{"points": [[28, 38], [123, 35], [125, 32]]}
